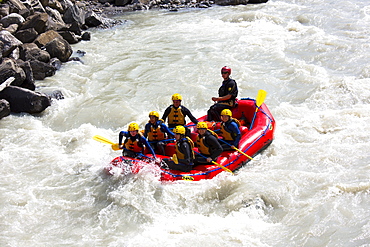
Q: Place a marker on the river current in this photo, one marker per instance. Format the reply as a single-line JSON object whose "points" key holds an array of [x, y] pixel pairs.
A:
{"points": [[311, 187]]}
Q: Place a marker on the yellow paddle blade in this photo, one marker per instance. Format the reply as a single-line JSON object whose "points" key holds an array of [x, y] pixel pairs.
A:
{"points": [[226, 169], [174, 158], [240, 151], [102, 139], [260, 97]]}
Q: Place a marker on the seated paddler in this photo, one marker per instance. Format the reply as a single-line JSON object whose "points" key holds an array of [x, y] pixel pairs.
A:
{"points": [[157, 132], [133, 145], [183, 159], [229, 131], [208, 145]]}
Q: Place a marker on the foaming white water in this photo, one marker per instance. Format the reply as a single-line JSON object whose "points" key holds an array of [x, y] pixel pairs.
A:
{"points": [[309, 188]]}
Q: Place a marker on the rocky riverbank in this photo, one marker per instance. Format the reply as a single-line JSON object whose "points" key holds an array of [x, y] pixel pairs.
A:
{"points": [[36, 38]]}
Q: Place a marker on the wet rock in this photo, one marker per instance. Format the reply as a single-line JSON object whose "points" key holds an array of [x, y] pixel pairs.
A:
{"points": [[9, 68], [70, 37], [16, 6], [27, 35], [4, 10], [9, 42], [59, 48], [231, 2], [4, 108], [12, 18], [29, 81], [24, 100], [46, 37], [74, 14], [31, 51], [92, 19], [86, 36], [41, 70], [38, 21]]}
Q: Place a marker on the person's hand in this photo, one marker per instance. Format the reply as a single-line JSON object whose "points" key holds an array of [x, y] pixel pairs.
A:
{"points": [[215, 99], [209, 159], [232, 146]]}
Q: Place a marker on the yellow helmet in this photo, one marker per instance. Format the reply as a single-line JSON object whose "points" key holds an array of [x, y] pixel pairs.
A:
{"points": [[154, 113], [179, 130], [226, 112], [133, 127], [176, 96], [202, 125]]}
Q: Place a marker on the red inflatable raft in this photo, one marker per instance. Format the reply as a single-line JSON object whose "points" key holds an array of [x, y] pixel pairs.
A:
{"points": [[252, 142]]}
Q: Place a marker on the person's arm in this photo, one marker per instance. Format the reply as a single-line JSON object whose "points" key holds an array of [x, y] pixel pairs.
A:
{"points": [[165, 114], [187, 112], [145, 142], [165, 129], [147, 130], [215, 147], [120, 137]]}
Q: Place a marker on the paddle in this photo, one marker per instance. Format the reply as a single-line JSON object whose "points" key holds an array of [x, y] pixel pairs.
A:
{"points": [[260, 99], [240, 151], [213, 162], [101, 139]]}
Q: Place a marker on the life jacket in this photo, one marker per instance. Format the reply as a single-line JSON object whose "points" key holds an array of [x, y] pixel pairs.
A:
{"points": [[226, 133], [202, 144], [156, 134], [176, 116], [181, 155], [134, 144]]}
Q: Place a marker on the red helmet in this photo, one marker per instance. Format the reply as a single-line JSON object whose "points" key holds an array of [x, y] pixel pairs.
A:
{"points": [[226, 69]]}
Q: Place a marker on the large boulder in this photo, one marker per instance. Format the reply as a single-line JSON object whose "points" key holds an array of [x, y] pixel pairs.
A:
{"points": [[41, 70], [92, 19], [4, 10], [31, 51], [10, 42], [74, 14], [29, 82], [38, 21], [46, 37], [231, 2], [10, 68], [24, 100], [59, 48], [12, 18], [4, 108], [17, 6], [27, 35]]}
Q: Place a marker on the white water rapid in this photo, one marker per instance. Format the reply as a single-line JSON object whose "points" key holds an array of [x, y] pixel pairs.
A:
{"points": [[311, 187]]}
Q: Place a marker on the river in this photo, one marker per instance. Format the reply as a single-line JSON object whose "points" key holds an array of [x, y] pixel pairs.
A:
{"points": [[309, 188]]}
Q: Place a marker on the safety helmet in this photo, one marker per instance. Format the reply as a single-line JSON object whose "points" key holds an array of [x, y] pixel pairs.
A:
{"points": [[179, 130], [226, 112], [154, 113], [176, 96], [226, 69], [133, 127], [202, 125]]}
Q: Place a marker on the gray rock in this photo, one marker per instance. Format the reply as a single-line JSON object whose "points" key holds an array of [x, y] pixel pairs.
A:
{"points": [[59, 48], [31, 51], [4, 108], [9, 68], [27, 35], [10, 42], [12, 18], [41, 70], [24, 100]]}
